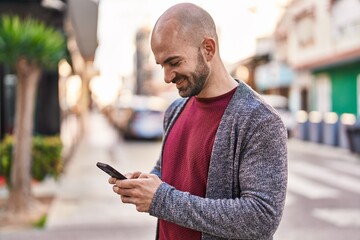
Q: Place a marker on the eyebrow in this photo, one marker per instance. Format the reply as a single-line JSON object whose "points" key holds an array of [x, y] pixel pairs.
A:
{"points": [[169, 59]]}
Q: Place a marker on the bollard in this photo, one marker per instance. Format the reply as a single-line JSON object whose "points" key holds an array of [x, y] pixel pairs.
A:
{"points": [[346, 119], [302, 125], [353, 134], [315, 127], [330, 129]]}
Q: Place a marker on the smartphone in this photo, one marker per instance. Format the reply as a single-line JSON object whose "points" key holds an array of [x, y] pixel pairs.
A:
{"points": [[110, 170]]}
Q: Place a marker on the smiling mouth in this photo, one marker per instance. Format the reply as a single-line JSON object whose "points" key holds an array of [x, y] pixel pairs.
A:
{"points": [[179, 82]]}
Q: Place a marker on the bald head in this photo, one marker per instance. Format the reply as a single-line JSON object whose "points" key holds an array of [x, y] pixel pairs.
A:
{"points": [[185, 43], [188, 21]]}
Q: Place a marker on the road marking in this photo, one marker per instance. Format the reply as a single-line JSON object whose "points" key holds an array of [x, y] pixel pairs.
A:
{"points": [[322, 173], [346, 168], [339, 217], [310, 189]]}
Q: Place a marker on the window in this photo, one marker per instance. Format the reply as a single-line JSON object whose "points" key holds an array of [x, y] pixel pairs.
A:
{"points": [[305, 27]]}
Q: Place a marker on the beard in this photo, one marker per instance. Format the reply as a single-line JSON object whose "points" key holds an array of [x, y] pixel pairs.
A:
{"points": [[196, 80]]}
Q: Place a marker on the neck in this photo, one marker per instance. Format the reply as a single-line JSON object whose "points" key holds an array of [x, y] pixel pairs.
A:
{"points": [[218, 83]]}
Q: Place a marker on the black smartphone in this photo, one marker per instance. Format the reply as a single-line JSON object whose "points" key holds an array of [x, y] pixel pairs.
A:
{"points": [[110, 170]]}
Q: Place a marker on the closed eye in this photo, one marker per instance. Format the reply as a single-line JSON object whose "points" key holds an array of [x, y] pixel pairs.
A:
{"points": [[174, 64], [173, 61]]}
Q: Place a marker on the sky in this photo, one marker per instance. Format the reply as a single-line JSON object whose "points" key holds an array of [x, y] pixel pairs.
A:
{"points": [[239, 24]]}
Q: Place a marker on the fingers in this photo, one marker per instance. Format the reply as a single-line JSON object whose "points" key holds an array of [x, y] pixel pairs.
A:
{"points": [[125, 187], [127, 199], [134, 175], [123, 191], [139, 191], [132, 196], [112, 180], [128, 175], [144, 175]]}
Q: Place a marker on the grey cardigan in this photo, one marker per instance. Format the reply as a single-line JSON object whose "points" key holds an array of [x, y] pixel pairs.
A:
{"points": [[247, 177]]}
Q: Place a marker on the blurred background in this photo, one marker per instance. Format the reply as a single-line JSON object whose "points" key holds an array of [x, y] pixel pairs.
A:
{"points": [[105, 98]]}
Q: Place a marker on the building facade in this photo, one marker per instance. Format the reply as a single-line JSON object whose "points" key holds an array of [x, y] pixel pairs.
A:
{"points": [[320, 40]]}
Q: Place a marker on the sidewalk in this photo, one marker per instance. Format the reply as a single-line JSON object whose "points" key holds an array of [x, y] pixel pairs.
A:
{"points": [[85, 207]]}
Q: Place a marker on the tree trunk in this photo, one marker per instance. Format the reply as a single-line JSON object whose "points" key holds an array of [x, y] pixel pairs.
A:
{"points": [[21, 206]]}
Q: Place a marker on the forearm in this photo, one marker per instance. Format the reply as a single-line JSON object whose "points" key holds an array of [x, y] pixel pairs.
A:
{"points": [[248, 217]]}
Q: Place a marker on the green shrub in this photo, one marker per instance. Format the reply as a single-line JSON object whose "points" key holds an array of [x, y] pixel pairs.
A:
{"points": [[46, 157]]}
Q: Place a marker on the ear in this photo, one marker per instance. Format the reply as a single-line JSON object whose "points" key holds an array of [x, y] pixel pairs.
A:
{"points": [[209, 47]]}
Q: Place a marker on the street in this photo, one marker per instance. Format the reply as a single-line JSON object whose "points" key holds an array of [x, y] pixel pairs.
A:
{"points": [[323, 200]]}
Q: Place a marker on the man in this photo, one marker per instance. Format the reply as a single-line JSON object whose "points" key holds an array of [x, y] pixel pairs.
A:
{"points": [[222, 173]]}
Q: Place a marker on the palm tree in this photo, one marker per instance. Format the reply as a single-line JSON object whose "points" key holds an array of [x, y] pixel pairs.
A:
{"points": [[28, 46]]}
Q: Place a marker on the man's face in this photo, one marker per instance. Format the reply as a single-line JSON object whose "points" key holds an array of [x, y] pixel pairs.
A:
{"points": [[183, 64], [192, 83]]}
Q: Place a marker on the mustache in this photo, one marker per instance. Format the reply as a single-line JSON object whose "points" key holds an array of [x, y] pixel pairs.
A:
{"points": [[177, 78]]}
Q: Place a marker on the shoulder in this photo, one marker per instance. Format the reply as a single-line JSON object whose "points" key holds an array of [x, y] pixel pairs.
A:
{"points": [[248, 109], [248, 102]]}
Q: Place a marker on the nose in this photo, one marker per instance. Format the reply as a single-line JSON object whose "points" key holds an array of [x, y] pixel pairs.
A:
{"points": [[169, 75]]}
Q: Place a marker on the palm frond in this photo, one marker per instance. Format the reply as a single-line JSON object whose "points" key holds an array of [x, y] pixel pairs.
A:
{"points": [[30, 39]]}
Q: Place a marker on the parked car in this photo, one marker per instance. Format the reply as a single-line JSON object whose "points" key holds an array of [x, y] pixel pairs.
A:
{"points": [[280, 103], [145, 121]]}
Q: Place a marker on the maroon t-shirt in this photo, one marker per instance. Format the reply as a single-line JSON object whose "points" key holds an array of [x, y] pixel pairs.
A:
{"points": [[187, 154]]}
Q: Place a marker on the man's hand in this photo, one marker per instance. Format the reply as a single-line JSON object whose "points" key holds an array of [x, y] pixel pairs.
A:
{"points": [[138, 189]]}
